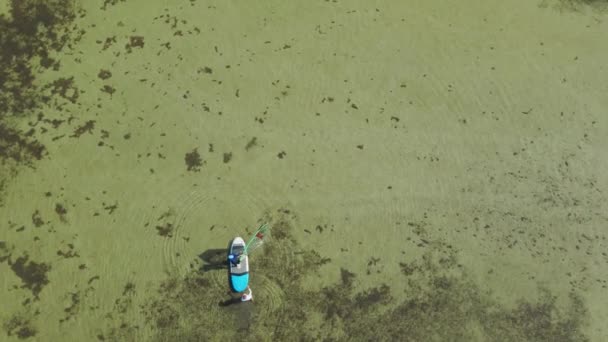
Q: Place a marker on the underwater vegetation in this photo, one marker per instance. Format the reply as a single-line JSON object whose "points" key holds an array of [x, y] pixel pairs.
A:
{"points": [[598, 6], [29, 40], [31, 36], [441, 303]]}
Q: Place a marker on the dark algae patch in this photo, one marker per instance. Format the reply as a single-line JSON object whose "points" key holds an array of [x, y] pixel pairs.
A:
{"points": [[32, 33], [29, 36], [108, 89], [441, 302], [15, 145], [33, 275], [110, 208], [4, 252], [65, 88], [87, 127], [69, 252], [104, 74], [578, 5], [227, 157], [134, 42], [206, 70], [166, 226], [61, 211], [253, 142], [165, 230], [119, 329], [71, 310], [19, 326], [193, 160], [108, 42], [107, 3]]}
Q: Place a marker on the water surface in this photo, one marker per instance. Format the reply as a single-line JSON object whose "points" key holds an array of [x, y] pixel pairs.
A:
{"points": [[432, 170]]}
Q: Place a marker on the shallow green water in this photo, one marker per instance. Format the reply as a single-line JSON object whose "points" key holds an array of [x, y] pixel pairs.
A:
{"points": [[432, 171]]}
